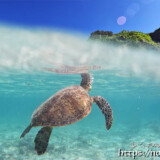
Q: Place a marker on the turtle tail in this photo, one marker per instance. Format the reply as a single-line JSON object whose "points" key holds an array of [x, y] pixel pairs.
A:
{"points": [[42, 139], [106, 110], [26, 131]]}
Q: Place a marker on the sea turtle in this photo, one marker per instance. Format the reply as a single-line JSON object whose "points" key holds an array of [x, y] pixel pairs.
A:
{"points": [[67, 106]]}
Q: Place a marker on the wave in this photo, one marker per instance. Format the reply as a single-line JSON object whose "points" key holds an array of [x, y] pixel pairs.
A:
{"points": [[33, 49]]}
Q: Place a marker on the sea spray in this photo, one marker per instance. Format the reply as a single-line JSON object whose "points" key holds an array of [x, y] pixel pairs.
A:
{"points": [[34, 49]]}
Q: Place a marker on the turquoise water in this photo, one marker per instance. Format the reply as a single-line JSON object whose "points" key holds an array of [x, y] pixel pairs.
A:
{"points": [[129, 81], [135, 103]]}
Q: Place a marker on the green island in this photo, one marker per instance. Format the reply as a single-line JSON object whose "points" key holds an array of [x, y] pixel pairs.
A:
{"points": [[130, 38]]}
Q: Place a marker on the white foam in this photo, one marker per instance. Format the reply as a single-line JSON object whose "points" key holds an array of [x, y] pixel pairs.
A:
{"points": [[28, 50]]}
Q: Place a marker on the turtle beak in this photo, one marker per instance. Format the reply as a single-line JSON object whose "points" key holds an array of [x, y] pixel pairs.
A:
{"points": [[89, 88]]}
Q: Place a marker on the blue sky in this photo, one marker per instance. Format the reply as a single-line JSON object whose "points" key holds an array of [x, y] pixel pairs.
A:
{"points": [[82, 15]]}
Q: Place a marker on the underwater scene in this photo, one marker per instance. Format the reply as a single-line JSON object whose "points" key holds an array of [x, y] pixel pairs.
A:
{"points": [[129, 79]]}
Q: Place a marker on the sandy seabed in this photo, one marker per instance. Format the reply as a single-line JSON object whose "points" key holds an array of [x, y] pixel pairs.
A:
{"points": [[79, 143]]}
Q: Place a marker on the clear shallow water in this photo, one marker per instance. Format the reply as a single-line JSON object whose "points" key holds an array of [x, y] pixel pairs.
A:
{"points": [[135, 103], [130, 81]]}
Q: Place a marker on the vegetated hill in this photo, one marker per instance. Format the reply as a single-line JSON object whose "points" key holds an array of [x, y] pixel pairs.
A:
{"points": [[155, 35], [131, 38]]}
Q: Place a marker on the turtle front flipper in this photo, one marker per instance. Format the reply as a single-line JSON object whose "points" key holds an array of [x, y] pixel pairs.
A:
{"points": [[106, 110], [42, 139]]}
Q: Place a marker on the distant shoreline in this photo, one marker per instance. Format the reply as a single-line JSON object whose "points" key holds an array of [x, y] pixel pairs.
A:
{"points": [[130, 38]]}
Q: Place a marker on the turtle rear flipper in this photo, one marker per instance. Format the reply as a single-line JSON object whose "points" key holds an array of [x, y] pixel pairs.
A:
{"points": [[42, 139], [106, 110], [26, 131]]}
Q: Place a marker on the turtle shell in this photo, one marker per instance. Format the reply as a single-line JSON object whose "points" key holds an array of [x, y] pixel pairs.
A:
{"points": [[65, 107]]}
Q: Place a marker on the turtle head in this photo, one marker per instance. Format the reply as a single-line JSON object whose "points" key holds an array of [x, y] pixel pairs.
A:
{"points": [[86, 82], [89, 88]]}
